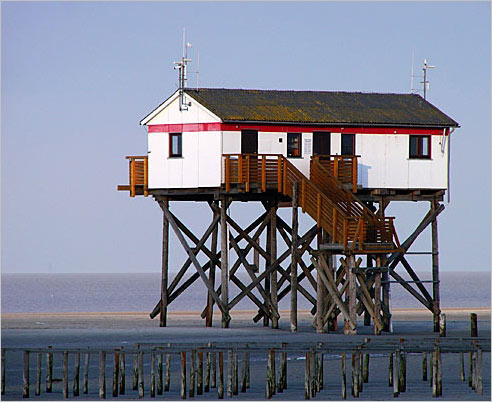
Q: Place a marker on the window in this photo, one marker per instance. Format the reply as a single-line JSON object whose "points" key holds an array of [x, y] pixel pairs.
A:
{"points": [[419, 147], [348, 144], [175, 145], [294, 145], [321, 142]]}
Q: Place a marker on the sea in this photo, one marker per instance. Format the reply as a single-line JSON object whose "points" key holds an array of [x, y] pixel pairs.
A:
{"points": [[139, 292]]}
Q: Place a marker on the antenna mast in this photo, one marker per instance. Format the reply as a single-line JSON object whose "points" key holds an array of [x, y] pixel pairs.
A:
{"points": [[425, 82], [181, 66]]}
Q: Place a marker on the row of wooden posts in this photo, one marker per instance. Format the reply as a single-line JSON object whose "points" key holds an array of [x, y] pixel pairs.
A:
{"points": [[205, 375]]}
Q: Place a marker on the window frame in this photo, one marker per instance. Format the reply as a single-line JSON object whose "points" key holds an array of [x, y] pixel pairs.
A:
{"points": [[300, 145], [180, 145], [419, 154], [352, 136]]}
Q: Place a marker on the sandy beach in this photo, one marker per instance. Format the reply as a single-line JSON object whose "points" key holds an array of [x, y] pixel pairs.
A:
{"points": [[112, 330]]}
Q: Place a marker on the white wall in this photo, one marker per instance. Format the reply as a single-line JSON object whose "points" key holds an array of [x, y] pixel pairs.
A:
{"points": [[200, 165]]}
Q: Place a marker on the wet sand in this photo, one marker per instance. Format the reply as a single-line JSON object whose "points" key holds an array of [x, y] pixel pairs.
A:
{"points": [[112, 330]]}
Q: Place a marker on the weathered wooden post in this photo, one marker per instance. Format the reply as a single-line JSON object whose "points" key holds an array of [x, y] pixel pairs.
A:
{"points": [[435, 392], [462, 367], [85, 386], [122, 371], [141, 392], [360, 363], [213, 369], [319, 379], [167, 380], [208, 363], [479, 382], [102, 374], [356, 374], [282, 378], [192, 373], [365, 367], [344, 378], [165, 265], [116, 372], [435, 266], [235, 373], [293, 264], [152, 374], [220, 389], [25, 388], [403, 371], [199, 385], [438, 372], [135, 368], [65, 374], [312, 372], [183, 375], [442, 325], [473, 325], [431, 369], [76, 375], [352, 355], [473, 370], [159, 373], [307, 377], [390, 370], [243, 372], [39, 357], [396, 379], [224, 262], [269, 376], [3, 370], [248, 373], [273, 258], [424, 366], [470, 369], [352, 292], [229, 373], [49, 370]]}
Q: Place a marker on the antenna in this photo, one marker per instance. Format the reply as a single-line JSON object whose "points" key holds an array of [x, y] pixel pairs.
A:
{"points": [[198, 71], [181, 66], [411, 76], [425, 82]]}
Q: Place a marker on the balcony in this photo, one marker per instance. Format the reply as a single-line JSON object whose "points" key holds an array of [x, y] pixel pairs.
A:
{"points": [[139, 176]]}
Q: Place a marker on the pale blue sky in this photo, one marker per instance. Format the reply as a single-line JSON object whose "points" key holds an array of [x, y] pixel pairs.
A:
{"points": [[78, 77]]}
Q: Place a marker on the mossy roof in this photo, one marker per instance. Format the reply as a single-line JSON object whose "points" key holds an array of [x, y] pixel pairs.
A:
{"points": [[320, 107]]}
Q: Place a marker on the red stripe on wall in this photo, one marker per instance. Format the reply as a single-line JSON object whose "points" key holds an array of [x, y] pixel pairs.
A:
{"points": [[195, 127]]}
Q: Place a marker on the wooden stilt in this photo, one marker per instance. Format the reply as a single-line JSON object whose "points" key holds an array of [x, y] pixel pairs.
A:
{"points": [[235, 366], [208, 363], [312, 373], [390, 370], [76, 375], [377, 294], [344, 378], [38, 374], [435, 268], [167, 379], [165, 260], [267, 287], [65, 375], [356, 374], [224, 262], [473, 325], [211, 277], [183, 375], [434, 374], [102, 374], [141, 392], [403, 372], [135, 370], [159, 373], [152, 374], [365, 367], [213, 370], [220, 389], [122, 372], [192, 373], [199, 374], [396, 372], [270, 381], [352, 300], [229, 372], [243, 372], [479, 383], [462, 367], [307, 377], [25, 376], [49, 371], [424, 366], [273, 258], [442, 325], [293, 265], [85, 386], [116, 372]]}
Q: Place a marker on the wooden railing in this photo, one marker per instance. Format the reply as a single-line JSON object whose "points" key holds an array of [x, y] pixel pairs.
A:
{"points": [[343, 168], [139, 176], [323, 197]]}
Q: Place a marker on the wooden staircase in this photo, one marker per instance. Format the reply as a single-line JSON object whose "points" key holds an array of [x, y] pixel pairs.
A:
{"points": [[351, 225]]}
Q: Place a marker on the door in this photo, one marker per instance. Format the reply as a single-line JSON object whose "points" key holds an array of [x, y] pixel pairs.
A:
{"points": [[249, 141], [321, 143]]}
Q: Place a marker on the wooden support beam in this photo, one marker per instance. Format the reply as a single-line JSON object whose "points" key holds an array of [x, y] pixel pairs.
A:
{"points": [[273, 257], [165, 266], [222, 306], [435, 268], [224, 266], [211, 275], [293, 251], [352, 291]]}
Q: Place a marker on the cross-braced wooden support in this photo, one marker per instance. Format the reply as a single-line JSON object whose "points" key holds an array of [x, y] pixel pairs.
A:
{"points": [[273, 284]]}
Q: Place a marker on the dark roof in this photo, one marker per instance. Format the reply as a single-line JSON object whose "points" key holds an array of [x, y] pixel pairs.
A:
{"points": [[320, 107]]}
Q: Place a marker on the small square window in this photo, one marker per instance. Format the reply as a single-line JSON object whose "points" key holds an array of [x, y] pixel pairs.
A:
{"points": [[419, 147], [294, 145], [175, 145], [348, 144]]}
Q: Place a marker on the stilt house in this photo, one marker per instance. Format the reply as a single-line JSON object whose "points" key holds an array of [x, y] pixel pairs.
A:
{"points": [[340, 156]]}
